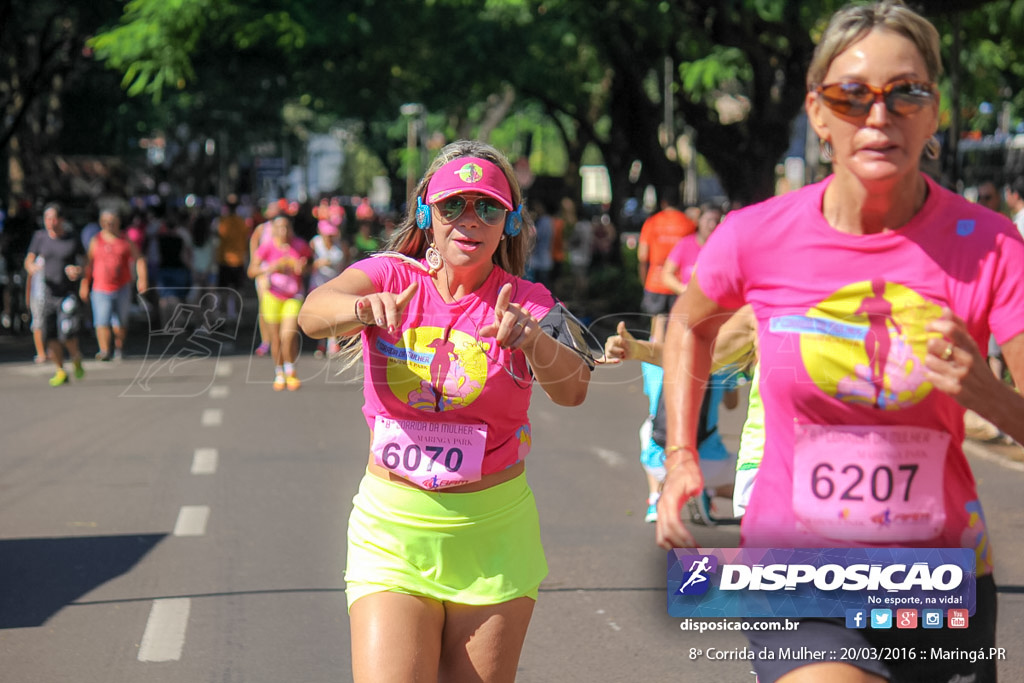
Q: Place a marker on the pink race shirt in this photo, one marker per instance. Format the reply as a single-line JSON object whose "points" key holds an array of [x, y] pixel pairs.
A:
{"points": [[684, 255], [858, 444], [439, 379], [284, 285]]}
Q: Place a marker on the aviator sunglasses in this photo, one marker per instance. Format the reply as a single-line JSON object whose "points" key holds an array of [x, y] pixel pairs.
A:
{"points": [[488, 210], [852, 98]]}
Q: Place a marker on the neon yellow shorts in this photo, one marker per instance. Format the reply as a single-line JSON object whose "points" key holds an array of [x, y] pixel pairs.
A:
{"points": [[275, 310], [480, 548]]}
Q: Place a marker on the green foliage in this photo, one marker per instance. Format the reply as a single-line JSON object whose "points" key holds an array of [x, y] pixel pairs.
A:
{"points": [[722, 66], [586, 77], [152, 43], [156, 41]]}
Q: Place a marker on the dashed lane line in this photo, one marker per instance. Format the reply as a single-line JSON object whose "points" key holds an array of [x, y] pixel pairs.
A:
{"points": [[204, 461], [164, 637], [212, 417], [220, 391], [192, 520], [610, 457]]}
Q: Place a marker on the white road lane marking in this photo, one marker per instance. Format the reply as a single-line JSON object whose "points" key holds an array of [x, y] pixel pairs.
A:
{"points": [[219, 391], [224, 368], [213, 417], [978, 450], [164, 637], [204, 461], [192, 520], [611, 458]]}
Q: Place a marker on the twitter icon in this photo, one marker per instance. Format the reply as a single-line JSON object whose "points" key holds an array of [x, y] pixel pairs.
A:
{"points": [[881, 618]]}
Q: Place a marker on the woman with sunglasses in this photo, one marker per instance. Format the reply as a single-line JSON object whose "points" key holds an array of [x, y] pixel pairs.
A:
{"points": [[444, 552], [874, 291]]}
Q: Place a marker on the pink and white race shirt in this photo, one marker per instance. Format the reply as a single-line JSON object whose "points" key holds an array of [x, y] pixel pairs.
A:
{"points": [[446, 406], [859, 445]]}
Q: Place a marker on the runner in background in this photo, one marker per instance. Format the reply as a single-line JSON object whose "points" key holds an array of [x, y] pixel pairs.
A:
{"points": [[57, 256], [113, 266], [734, 359], [261, 234], [283, 261], [658, 236], [330, 257]]}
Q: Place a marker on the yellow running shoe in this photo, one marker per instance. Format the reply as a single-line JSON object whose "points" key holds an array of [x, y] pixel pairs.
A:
{"points": [[59, 378], [279, 383], [293, 382]]}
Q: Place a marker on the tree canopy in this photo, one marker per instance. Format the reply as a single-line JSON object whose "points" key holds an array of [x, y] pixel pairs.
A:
{"points": [[625, 77]]}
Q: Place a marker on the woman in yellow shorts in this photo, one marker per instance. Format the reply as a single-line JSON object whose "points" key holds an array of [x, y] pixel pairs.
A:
{"points": [[283, 260], [444, 551]]}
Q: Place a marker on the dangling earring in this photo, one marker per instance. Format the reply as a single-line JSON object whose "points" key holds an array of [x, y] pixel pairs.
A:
{"points": [[826, 150], [433, 259], [933, 148]]}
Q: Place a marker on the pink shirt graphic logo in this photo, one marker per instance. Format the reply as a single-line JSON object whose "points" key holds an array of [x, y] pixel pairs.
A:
{"points": [[434, 369], [866, 343]]}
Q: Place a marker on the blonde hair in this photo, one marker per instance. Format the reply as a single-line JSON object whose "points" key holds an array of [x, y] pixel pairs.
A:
{"points": [[853, 22], [512, 251]]}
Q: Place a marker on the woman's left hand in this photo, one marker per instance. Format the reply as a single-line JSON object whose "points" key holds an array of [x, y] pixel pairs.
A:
{"points": [[513, 326], [954, 363]]}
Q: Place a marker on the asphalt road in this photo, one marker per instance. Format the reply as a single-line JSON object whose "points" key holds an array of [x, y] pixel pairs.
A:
{"points": [[191, 528]]}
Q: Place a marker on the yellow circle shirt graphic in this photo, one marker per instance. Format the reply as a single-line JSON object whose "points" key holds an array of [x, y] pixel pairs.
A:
{"points": [[866, 343], [433, 369]]}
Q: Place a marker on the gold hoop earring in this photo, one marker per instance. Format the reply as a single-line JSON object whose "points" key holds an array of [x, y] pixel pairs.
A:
{"points": [[933, 148], [826, 150]]}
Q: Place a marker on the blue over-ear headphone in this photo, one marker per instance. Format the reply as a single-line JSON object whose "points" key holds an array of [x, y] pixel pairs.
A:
{"points": [[422, 214], [513, 221]]}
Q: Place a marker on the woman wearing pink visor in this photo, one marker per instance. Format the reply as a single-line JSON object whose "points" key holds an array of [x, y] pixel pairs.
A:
{"points": [[444, 550]]}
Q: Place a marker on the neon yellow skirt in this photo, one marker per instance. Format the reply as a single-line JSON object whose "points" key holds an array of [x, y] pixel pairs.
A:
{"points": [[479, 548]]}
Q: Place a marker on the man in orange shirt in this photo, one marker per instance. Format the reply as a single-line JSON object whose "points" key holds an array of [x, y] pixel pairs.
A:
{"points": [[232, 252], [658, 236]]}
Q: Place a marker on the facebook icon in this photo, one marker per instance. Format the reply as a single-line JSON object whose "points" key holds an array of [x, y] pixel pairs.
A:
{"points": [[856, 618]]}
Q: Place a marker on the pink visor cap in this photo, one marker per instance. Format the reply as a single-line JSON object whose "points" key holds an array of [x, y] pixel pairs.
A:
{"points": [[469, 174], [327, 228]]}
